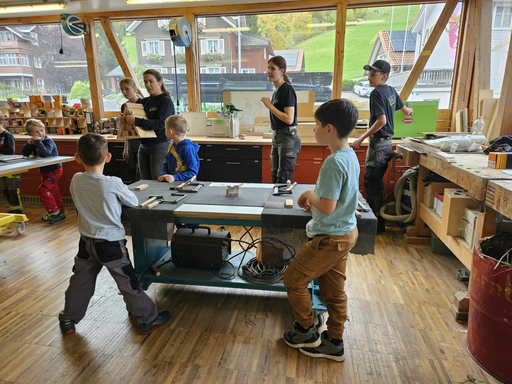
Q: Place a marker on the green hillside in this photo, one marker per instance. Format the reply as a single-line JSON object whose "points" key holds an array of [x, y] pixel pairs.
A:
{"points": [[359, 39]]}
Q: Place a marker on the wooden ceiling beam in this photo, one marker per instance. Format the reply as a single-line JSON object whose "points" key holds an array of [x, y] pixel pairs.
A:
{"points": [[339, 49], [93, 68], [121, 56], [431, 43]]}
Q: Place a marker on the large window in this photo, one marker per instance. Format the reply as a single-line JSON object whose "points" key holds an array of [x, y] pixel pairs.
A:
{"points": [[12, 59], [234, 53], [24, 60], [3, 60], [6, 36], [502, 16], [398, 35], [500, 41]]}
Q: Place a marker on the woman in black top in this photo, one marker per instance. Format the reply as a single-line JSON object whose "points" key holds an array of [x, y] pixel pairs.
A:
{"points": [[158, 107], [283, 121]]}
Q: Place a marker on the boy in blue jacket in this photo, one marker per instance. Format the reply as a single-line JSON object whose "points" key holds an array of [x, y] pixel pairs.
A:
{"points": [[182, 160], [41, 145]]}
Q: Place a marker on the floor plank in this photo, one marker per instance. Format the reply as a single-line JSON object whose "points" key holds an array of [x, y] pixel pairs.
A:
{"points": [[399, 331]]}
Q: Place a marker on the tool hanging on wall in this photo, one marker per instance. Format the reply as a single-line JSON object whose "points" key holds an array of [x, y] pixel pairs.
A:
{"points": [[180, 32]]}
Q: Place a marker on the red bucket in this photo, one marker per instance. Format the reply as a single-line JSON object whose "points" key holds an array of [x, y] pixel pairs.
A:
{"points": [[489, 339]]}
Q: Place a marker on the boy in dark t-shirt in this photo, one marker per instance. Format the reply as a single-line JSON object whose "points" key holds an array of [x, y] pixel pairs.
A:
{"points": [[384, 101]]}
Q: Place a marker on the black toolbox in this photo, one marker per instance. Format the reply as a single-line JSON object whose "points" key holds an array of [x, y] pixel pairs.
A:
{"points": [[200, 248]]}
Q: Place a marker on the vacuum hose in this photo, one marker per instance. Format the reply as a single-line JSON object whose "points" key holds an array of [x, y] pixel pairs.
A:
{"points": [[397, 205]]}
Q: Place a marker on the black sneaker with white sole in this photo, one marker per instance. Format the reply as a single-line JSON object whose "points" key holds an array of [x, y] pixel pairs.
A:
{"points": [[327, 349], [297, 339]]}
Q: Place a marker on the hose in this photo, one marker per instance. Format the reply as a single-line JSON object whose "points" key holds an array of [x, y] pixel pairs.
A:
{"points": [[397, 205]]}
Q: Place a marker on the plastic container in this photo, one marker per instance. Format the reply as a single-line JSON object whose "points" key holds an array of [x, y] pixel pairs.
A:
{"points": [[489, 339], [478, 126]]}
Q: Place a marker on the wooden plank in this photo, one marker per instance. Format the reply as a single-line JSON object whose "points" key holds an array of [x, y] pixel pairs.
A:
{"points": [[121, 56], [411, 157], [93, 68], [483, 94], [194, 97], [502, 125], [462, 91], [482, 74], [339, 49], [499, 196], [488, 106], [31, 163], [427, 49], [429, 149], [492, 124]]}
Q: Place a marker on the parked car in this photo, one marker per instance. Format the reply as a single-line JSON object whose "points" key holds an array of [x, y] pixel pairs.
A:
{"points": [[363, 88]]}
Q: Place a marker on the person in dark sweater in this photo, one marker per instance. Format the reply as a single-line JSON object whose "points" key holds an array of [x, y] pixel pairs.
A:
{"points": [[283, 121], [43, 146], [182, 160], [158, 107], [384, 101], [9, 184]]}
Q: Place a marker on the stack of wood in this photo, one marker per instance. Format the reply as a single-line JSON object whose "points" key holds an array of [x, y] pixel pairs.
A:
{"points": [[129, 131], [460, 306]]}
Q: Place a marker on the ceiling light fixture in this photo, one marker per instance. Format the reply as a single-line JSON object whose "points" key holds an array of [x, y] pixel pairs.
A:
{"points": [[46, 6], [154, 1]]}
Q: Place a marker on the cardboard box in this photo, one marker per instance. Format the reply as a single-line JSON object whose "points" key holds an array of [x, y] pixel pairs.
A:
{"points": [[438, 204], [455, 202], [430, 191], [500, 160], [469, 221]]}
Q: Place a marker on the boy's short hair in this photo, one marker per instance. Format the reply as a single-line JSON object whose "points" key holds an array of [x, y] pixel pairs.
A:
{"points": [[178, 123], [2, 117], [341, 113], [92, 149], [31, 123]]}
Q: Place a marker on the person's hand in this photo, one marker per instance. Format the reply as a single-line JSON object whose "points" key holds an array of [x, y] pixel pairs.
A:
{"points": [[304, 202], [357, 143], [130, 119], [358, 214], [37, 137], [266, 101], [410, 112], [168, 178], [30, 141], [125, 153]]}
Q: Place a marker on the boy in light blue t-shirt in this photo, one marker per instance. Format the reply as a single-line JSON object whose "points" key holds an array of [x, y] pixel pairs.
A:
{"points": [[332, 232]]}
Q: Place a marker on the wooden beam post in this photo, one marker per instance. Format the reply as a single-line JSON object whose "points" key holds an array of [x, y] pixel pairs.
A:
{"points": [[427, 49], [121, 56], [194, 96], [462, 90], [91, 51], [502, 124], [339, 49]]}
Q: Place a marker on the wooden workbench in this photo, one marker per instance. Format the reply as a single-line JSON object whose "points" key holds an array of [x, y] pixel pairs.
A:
{"points": [[490, 187], [24, 164]]}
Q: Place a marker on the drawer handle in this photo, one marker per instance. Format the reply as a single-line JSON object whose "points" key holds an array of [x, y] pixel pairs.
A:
{"points": [[316, 162], [120, 160], [232, 149], [317, 158], [68, 145], [255, 146], [232, 163]]}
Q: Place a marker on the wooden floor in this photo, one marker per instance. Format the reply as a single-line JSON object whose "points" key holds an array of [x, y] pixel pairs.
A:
{"points": [[400, 328]]}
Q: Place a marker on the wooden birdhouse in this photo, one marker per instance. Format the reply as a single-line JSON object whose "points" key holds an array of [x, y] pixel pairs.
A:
{"points": [[129, 131]]}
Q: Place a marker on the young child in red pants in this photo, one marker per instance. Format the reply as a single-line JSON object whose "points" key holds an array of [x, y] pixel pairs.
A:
{"points": [[41, 145]]}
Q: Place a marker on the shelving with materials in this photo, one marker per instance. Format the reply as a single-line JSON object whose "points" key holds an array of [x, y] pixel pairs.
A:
{"points": [[53, 118], [489, 187]]}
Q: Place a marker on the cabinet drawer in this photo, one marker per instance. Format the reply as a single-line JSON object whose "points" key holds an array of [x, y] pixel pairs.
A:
{"points": [[311, 153], [72, 167], [239, 170], [66, 148], [306, 171], [116, 149], [119, 168], [29, 184], [233, 151]]}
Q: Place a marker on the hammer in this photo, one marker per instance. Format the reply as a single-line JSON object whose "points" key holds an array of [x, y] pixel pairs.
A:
{"points": [[184, 184], [151, 200]]}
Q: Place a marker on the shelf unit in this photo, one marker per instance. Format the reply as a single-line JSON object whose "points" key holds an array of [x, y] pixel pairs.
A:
{"points": [[56, 120]]}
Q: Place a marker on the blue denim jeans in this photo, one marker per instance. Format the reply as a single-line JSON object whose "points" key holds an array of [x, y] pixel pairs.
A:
{"points": [[285, 149], [151, 159], [377, 158]]}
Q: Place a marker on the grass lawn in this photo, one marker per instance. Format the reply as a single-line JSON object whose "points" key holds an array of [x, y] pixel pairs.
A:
{"points": [[130, 48], [359, 40]]}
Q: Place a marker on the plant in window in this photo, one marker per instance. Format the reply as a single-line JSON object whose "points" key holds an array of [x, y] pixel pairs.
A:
{"points": [[153, 58], [214, 58], [180, 57], [165, 27], [200, 27]]}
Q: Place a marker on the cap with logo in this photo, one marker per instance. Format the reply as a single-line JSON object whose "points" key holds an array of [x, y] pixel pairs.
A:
{"points": [[380, 65]]}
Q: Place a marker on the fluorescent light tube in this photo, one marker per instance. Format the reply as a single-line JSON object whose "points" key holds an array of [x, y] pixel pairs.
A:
{"points": [[32, 7], [155, 1]]}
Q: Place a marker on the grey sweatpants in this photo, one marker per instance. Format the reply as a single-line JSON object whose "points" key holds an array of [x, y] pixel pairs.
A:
{"points": [[92, 255]]}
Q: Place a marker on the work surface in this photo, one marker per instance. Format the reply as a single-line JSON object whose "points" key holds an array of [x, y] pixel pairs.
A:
{"points": [[19, 163], [207, 207]]}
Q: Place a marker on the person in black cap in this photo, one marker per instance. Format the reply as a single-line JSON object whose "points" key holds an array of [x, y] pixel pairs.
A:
{"points": [[384, 101]]}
